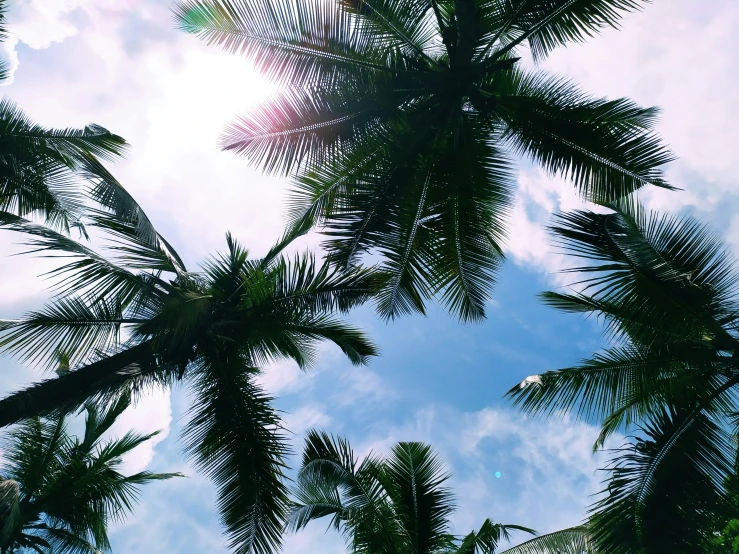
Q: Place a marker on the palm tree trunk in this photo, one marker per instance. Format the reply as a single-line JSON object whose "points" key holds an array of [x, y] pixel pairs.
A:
{"points": [[73, 389]]}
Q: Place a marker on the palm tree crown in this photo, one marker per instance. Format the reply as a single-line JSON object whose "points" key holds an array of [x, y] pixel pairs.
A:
{"points": [[138, 318], [667, 292], [400, 118], [399, 504], [59, 493]]}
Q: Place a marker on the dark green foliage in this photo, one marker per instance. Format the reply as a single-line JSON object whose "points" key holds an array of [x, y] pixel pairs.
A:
{"points": [[134, 317], [400, 118], [58, 494], [46, 172], [399, 504], [665, 289]]}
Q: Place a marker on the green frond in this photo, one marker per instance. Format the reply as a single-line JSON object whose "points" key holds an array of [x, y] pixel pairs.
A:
{"points": [[90, 273], [415, 477], [293, 42], [45, 172], [664, 487], [575, 540], [486, 540], [98, 421], [405, 26], [61, 541], [332, 483], [304, 127], [618, 377], [67, 325], [605, 147], [546, 24], [3, 29], [394, 504], [234, 438], [654, 277]]}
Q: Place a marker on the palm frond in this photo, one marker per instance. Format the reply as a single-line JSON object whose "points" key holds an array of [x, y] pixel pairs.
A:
{"points": [[606, 147], [415, 477], [478, 183], [487, 538], [296, 42], [547, 24], [98, 421], [90, 274], [67, 325], [304, 127], [664, 487], [234, 437], [34, 451], [62, 541], [656, 278], [607, 382], [404, 26], [350, 491], [574, 540]]}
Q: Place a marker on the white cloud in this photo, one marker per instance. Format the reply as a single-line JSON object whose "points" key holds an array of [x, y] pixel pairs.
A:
{"points": [[151, 413], [285, 377], [363, 389], [307, 417], [538, 196]]}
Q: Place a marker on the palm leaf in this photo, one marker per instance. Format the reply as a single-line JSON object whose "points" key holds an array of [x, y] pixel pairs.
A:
{"points": [[234, 437], [415, 484], [664, 487], [546, 24], [292, 42], [574, 540], [605, 147]]}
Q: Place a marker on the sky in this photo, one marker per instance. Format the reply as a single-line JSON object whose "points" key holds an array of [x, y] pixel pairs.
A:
{"points": [[123, 64]]}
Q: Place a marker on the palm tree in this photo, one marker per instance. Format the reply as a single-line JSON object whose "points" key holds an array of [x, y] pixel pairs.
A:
{"points": [[399, 504], [665, 289], [59, 493], [138, 319], [401, 119]]}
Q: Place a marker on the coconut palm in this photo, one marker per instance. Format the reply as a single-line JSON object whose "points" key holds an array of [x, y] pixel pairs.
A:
{"points": [[401, 120], [665, 289], [59, 493], [136, 318], [398, 504]]}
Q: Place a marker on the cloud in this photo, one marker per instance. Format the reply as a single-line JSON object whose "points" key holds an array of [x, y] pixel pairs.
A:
{"points": [[151, 413], [538, 196], [307, 417], [10, 56]]}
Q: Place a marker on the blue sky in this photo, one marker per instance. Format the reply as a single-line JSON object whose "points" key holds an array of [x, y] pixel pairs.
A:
{"points": [[121, 63]]}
